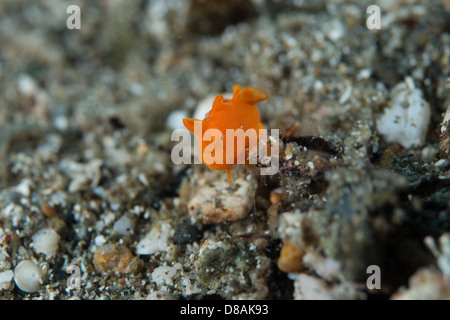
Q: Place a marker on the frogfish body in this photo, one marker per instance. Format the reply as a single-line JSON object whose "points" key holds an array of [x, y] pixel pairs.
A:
{"points": [[239, 112]]}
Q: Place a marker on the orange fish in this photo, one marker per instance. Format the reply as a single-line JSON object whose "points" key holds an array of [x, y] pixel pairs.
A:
{"points": [[239, 112]]}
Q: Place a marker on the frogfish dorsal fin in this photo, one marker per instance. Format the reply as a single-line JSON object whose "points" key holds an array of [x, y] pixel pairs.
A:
{"points": [[252, 95]]}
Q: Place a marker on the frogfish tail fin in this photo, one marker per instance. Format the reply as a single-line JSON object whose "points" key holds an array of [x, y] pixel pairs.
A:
{"points": [[189, 124]]}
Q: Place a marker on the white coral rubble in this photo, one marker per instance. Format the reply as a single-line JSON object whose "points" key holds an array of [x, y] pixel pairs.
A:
{"points": [[406, 119]]}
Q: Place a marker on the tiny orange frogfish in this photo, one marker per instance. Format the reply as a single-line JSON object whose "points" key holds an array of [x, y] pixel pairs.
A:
{"points": [[239, 112]]}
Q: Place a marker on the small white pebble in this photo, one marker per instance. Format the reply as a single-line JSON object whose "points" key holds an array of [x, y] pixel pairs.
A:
{"points": [[26, 84], [406, 120], [24, 187], [346, 95], [108, 217], [410, 83], [178, 266], [175, 120], [99, 240], [61, 123], [136, 88], [441, 163], [46, 241], [14, 212], [336, 30], [125, 225], [163, 275], [156, 240], [364, 74], [143, 179], [5, 279], [28, 276], [318, 85], [428, 152], [189, 288]]}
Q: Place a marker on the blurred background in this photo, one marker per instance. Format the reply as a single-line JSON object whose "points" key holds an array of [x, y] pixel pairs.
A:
{"points": [[86, 118]]}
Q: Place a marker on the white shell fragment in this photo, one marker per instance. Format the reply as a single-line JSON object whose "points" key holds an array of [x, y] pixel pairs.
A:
{"points": [[46, 241], [406, 120], [156, 240], [163, 275], [28, 276]]}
